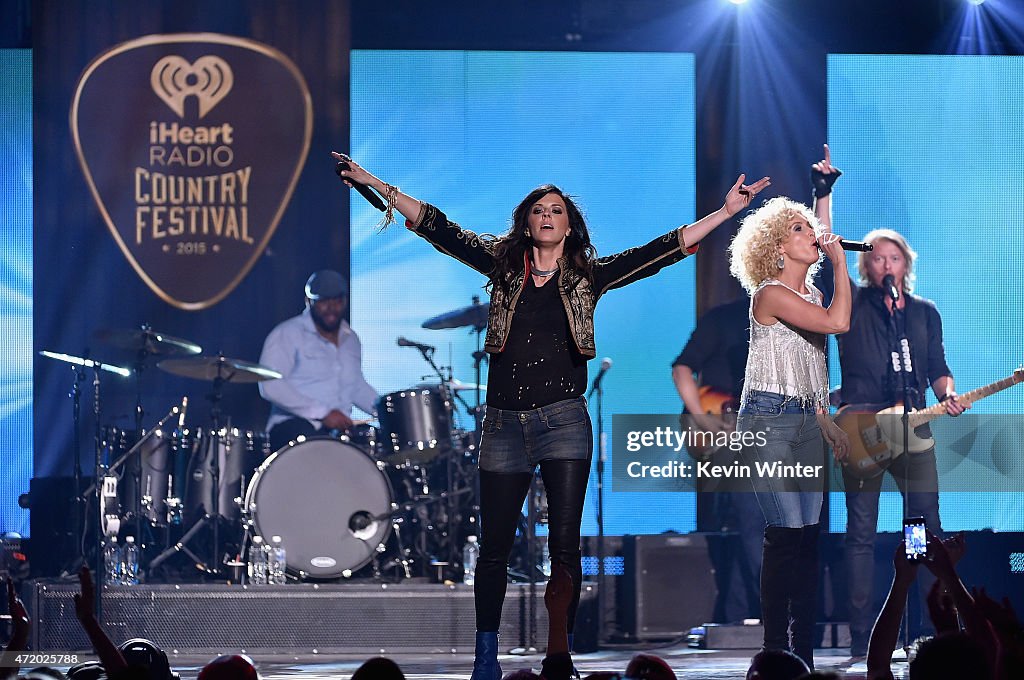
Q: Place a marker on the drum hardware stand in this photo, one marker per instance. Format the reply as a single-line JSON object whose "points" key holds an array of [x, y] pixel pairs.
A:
{"points": [[210, 567], [82, 497]]}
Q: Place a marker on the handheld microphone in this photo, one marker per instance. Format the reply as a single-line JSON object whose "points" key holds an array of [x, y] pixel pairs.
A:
{"points": [[889, 285], [606, 364], [858, 246], [366, 191], [405, 342]]}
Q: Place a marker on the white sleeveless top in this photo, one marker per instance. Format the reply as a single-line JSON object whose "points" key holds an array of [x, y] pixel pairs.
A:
{"points": [[785, 359]]}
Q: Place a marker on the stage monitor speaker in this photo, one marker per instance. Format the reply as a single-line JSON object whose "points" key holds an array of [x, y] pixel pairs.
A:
{"points": [[668, 585], [348, 618]]}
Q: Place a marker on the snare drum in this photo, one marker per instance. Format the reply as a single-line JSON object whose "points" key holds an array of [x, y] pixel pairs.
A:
{"points": [[327, 500], [415, 426]]}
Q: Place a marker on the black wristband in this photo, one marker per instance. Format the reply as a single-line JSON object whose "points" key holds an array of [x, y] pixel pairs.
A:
{"points": [[822, 183]]}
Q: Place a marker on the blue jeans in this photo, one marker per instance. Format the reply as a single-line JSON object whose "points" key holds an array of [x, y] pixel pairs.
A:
{"points": [[517, 441], [791, 437], [917, 479], [559, 438]]}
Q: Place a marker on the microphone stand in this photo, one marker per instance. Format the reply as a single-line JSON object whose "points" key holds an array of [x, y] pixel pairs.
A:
{"points": [[903, 365], [601, 454]]}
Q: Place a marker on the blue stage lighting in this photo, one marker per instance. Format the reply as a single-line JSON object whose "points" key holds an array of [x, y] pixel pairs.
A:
{"points": [[738, 2]]}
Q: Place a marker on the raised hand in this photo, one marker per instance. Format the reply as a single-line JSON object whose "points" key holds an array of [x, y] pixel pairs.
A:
{"points": [[20, 621], [85, 601], [824, 175], [740, 195], [355, 173], [941, 609], [830, 245], [906, 570]]}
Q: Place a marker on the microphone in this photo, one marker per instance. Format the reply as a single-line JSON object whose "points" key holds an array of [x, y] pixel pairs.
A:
{"points": [[606, 363], [366, 191], [858, 246], [889, 285], [405, 342]]}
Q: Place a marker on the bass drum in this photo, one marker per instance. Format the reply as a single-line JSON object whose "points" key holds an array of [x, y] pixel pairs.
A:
{"points": [[329, 503]]}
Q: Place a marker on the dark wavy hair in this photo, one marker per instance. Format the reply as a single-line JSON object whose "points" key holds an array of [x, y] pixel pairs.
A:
{"points": [[509, 249]]}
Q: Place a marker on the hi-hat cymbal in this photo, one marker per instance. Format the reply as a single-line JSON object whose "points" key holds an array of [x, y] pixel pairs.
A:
{"points": [[225, 368], [475, 315], [153, 342]]}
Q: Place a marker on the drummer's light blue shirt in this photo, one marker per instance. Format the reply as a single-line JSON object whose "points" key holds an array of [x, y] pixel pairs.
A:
{"points": [[319, 376]]}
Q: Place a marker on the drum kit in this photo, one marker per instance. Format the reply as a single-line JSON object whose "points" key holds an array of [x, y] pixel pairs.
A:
{"points": [[392, 500]]}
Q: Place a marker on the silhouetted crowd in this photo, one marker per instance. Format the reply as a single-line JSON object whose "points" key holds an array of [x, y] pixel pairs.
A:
{"points": [[977, 638]]}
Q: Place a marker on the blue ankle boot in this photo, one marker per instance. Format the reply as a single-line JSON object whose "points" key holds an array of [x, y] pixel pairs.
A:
{"points": [[485, 665]]}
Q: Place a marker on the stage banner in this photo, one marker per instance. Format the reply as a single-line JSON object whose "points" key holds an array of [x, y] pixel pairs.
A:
{"points": [[194, 178], [183, 182]]}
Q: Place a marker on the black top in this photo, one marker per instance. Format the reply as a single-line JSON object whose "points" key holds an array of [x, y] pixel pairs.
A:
{"points": [[865, 350], [540, 364], [717, 349]]}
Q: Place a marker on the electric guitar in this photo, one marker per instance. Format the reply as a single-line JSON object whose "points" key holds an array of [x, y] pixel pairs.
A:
{"points": [[715, 403], [876, 436]]}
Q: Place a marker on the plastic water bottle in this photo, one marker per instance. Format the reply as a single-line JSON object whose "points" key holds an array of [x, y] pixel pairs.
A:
{"points": [[112, 562], [130, 562], [278, 562], [470, 554], [257, 562]]}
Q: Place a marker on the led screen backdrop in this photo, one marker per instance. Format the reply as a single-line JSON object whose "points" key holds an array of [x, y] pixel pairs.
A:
{"points": [[932, 146], [15, 285], [474, 132]]}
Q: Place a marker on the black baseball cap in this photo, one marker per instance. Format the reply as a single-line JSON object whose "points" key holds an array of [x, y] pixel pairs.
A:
{"points": [[325, 284]]}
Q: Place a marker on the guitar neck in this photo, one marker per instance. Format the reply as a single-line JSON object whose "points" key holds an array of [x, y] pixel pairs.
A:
{"points": [[925, 415]]}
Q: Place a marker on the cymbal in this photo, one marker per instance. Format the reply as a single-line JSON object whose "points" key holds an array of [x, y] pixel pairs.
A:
{"points": [[475, 315], [211, 368], [153, 342], [88, 363]]}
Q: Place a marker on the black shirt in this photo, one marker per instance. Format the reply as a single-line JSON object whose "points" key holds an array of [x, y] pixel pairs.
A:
{"points": [[540, 364], [865, 350], [717, 349]]}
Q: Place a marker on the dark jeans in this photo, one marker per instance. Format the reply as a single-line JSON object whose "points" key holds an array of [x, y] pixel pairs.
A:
{"points": [[559, 438], [290, 430], [917, 479]]}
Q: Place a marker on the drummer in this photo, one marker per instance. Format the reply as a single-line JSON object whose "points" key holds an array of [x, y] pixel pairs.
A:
{"points": [[319, 356]]}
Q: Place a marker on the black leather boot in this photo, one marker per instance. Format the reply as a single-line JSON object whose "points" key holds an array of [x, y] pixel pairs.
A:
{"points": [[781, 546], [803, 605]]}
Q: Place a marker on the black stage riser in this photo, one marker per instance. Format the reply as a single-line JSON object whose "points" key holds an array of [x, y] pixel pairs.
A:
{"points": [[301, 618]]}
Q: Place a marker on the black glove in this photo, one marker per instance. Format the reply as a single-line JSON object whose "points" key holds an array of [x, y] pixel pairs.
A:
{"points": [[822, 183]]}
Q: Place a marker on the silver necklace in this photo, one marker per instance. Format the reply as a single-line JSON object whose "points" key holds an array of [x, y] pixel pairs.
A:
{"points": [[536, 271]]}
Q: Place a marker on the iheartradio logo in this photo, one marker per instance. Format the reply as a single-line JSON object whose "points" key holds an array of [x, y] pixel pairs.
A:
{"points": [[189, 167]]}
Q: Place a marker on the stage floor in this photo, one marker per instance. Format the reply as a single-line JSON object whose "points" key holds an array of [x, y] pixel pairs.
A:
{"points": [[689, 664]]}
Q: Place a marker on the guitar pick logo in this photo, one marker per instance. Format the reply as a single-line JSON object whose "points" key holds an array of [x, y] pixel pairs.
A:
{"points": [[209, 79], [189, 167]]}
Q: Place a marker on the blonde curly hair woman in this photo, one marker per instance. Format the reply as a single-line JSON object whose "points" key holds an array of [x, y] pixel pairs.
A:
{"points": [[785, 403]]}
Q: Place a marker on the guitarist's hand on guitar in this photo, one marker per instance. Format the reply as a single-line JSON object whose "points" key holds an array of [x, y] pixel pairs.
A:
{"points": [[953, 405]]}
